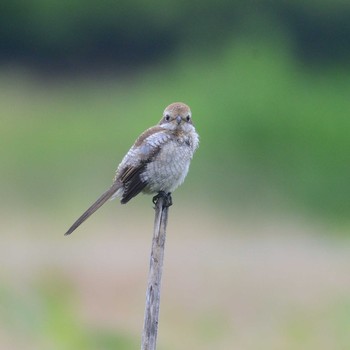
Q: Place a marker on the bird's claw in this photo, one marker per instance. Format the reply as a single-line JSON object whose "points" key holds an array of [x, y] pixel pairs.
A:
{"points": [[167, 199]]}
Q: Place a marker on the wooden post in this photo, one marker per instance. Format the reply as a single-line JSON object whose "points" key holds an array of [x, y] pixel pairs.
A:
{"points": [[150, 327]]}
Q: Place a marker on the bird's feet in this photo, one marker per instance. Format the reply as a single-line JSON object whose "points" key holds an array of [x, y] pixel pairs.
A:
{"points": [[167, 200]]}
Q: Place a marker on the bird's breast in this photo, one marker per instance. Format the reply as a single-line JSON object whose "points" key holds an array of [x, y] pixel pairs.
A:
{"points": [[169, 167]]}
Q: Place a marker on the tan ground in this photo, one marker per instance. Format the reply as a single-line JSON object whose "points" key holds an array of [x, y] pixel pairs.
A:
{"points": [[272, 284]]}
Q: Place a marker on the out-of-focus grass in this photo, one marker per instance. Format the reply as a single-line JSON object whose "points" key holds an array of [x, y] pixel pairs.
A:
{"points": [[274, 136], [309, 331], [271, 131], [43, 317], [252, 286]]}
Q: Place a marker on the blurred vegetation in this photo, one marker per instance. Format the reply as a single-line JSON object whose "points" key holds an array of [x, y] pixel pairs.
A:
{"points": [[272, 131], [268, 83], [47, 318], [75, 35]]}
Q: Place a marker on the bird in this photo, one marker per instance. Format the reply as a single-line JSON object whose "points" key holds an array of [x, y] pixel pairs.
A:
{"points": [[157, 163]]}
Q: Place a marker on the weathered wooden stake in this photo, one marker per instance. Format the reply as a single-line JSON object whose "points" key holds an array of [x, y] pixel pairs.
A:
{"points": [[150, 326]]}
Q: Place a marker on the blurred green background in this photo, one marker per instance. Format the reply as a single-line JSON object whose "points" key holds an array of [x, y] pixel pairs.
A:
{"points": [[258, 244]]}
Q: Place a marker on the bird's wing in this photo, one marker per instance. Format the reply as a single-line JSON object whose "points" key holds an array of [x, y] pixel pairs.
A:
{"points": [[143, 151], [132, 182]]}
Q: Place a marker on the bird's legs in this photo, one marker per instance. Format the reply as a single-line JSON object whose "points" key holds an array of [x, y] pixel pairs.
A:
{"points": [[168, 201]]}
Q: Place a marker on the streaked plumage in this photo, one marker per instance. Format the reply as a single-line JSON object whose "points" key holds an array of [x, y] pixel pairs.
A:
{"points": [[157, 162]]}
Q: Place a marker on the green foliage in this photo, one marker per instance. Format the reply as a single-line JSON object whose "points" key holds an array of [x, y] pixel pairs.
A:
{"points": [[271, 131], [70, 35], [45, 319]]}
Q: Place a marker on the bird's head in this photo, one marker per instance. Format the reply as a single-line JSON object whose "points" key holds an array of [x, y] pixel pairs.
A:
{"points": [[177, 117]]}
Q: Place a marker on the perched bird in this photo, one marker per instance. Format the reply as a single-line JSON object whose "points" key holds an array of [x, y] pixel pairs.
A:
{"points": [[157, 163]]}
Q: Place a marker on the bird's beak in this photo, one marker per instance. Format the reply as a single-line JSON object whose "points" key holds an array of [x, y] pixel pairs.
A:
{"points": [[178, 119]]}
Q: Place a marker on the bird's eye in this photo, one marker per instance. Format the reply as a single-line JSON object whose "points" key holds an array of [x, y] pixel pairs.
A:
{"points": [[188, 118], [167, 117]]}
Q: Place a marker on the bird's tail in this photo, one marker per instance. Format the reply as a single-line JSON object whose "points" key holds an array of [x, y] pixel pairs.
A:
{"points": [[100, 201]]}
